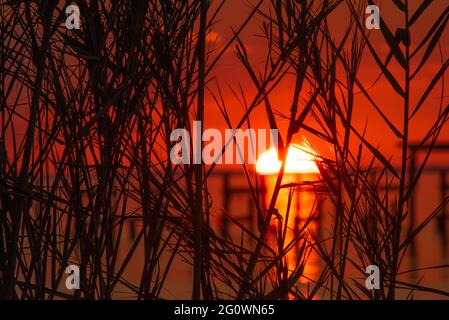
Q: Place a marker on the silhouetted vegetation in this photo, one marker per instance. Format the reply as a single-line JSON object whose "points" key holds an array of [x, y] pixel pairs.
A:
{"points": [[85, 170]]}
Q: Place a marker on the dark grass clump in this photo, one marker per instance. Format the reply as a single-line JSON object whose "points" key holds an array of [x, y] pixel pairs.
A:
{"points": [[85, 170]]}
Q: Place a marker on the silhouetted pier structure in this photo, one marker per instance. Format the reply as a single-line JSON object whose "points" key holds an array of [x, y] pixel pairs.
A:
{"points": [[230, 191], [414, 149]]}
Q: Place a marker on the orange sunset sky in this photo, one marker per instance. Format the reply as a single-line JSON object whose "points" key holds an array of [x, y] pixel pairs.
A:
{"points": [[230, 74]]}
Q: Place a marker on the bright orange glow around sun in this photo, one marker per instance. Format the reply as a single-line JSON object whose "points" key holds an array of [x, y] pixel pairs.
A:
{"points": [[300, 159]]}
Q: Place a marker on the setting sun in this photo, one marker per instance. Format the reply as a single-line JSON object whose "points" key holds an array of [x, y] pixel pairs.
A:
{"points": [[300, 159]]}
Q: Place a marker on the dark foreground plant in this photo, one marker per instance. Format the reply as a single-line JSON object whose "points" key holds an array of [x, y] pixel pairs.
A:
{"points": [[85, 170]]}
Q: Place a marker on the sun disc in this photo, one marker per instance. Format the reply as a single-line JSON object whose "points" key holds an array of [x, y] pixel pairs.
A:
{"points": [[300, 159]]}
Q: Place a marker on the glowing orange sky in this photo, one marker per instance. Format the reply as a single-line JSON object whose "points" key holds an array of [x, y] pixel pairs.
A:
{"points": [[230, 73]]}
